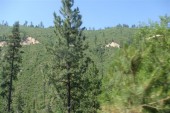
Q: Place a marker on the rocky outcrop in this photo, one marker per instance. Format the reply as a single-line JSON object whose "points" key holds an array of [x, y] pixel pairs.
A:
{"points": [[154, 36], [27, 41], [30, 41], [3, 43], [113, 44]]}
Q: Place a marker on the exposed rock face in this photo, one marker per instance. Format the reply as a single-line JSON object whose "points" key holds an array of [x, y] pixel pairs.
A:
{"points": [[28, 41], [154, 36], [113, 44], [3, 43]]}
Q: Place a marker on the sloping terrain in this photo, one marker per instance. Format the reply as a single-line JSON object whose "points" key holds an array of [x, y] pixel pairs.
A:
{"points": [[33, 83]]}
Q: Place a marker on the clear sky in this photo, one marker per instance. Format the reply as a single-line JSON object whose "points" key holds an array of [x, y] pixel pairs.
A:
{"points": [[96, 13]]}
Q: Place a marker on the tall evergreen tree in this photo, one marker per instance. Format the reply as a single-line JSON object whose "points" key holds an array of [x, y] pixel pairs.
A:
{"points": [[25, 23], [41, 25], [6, 23], [31, 24], [75, 77], [11, 65]]}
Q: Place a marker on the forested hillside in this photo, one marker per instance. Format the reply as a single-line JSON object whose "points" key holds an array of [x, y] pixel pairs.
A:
{"points": [[85, 73], [33, 86]]}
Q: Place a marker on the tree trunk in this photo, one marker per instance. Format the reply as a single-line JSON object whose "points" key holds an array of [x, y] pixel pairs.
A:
{"points": [[10, 85], [10, 93], [68, 93]]}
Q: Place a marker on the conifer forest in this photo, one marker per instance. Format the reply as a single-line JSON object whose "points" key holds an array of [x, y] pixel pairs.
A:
{"points": [[67, 68]]}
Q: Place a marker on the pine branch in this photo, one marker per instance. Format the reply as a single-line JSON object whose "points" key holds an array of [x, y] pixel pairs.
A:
{"points": [[153, 108], [159, 101], [149, 105]]}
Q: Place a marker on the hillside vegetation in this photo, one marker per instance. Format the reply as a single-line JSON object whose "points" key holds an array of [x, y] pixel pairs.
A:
{"points": [[135, 78]]}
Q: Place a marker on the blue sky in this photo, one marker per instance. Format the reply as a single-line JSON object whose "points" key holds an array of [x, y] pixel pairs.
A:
{"points": [[96, 13]]}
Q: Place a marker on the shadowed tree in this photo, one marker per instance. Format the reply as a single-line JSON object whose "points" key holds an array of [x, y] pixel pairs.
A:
{"points": [[11, 65]]}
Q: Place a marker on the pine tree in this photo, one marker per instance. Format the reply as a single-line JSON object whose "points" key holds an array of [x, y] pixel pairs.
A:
{"points": [[25, 23], [156, 97], [41, 25], [151, 67], [31, 24], [75, 76], [11, 66]]}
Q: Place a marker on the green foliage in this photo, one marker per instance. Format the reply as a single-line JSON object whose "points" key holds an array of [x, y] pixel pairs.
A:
{"points": [[139, 74], [158, 86], [164, 20], [11, 65], [75, 76], [135, 76], [20, 104], [33, 81]]}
